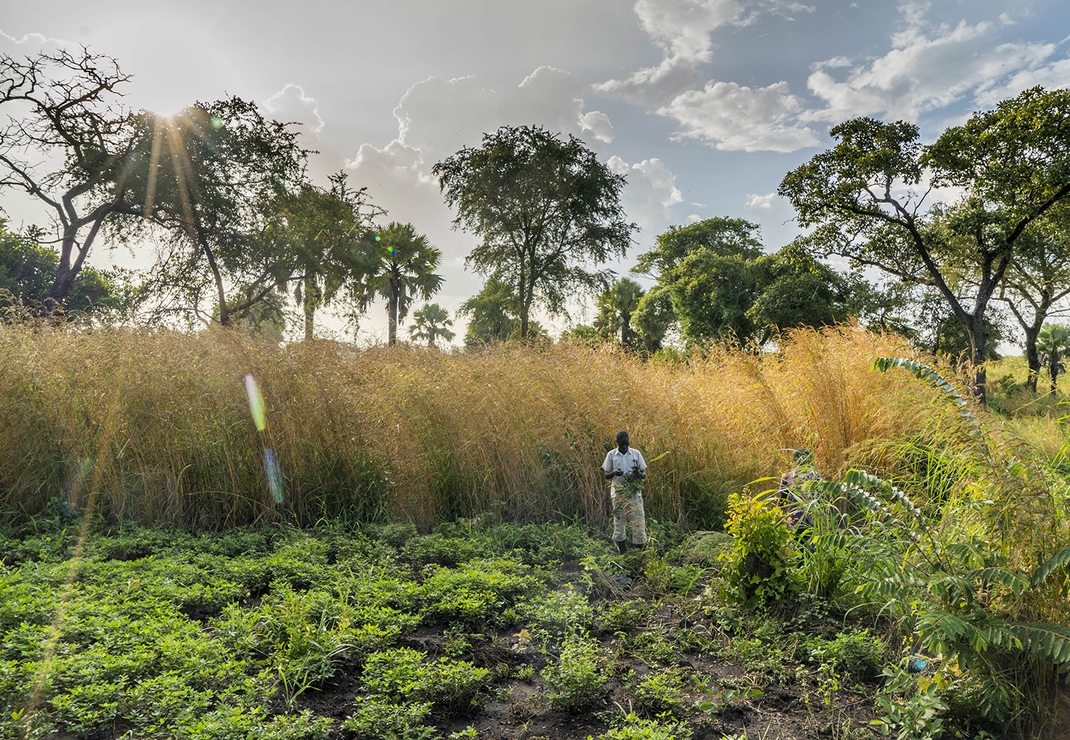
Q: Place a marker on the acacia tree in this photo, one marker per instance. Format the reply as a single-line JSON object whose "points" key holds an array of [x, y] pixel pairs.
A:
{"points": [[67, 143], [400, 266], [1038, 279], [867, 196], [213, 176], [545, 208], [431, 322]]}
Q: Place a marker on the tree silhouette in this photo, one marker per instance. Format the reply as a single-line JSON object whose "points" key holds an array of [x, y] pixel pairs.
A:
{"points": [[400, 266], [431, 322], [545, 209], [615, 310]]}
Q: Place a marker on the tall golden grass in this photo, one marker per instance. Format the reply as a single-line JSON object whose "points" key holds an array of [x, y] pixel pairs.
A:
{"points": [[156, 428]]}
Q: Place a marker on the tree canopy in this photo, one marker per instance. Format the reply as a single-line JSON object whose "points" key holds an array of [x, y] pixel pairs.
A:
{"points": [[547, 212], [399, 267], [214, 176], [28, 272], [867, 197], [67, 143]]}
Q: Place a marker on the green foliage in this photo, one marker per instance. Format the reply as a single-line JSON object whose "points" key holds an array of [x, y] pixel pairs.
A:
{"points": [[578, 675], [543, 208], [28, 271], [476, 593], [760, 569], [557, 612], [865, 197], [634, 727], [400, 265], [656, 694], [402, 675], [858, 654], [912, 706], [431, 323], [377, 718], [615, 310]]}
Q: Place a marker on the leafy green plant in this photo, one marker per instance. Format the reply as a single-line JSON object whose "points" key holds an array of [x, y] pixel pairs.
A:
{"points": [[859, 654], [378, 718], [633, 727], [557, 612], [912, 706], [578, 675], [760, 568], [656, 694], [403, 675], [624, 616]]}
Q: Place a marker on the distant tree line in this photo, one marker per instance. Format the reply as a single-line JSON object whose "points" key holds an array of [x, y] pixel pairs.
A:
{"points": [[242, 233]]}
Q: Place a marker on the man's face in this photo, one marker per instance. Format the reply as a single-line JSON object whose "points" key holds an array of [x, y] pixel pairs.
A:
{"points": [[622, 441]]}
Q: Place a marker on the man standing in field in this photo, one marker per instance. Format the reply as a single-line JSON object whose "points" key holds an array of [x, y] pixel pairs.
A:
{"points": [[626, 468]]}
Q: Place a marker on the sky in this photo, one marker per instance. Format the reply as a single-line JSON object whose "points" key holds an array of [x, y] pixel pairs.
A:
{"points": [[704, 105]]}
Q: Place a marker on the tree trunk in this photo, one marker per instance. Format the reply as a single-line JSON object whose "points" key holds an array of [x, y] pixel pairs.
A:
{"points": [[1032, 357], [392, 318], [976, 329], [626, 330], [1054, 361], [310, 310]]}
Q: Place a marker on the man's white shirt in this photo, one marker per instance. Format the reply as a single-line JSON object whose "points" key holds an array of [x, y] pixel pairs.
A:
{"points": [[625, 462]]}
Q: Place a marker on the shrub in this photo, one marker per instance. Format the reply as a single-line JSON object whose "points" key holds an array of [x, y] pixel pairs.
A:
{"points": [[760, 567], [401, 675], [578, 675]]}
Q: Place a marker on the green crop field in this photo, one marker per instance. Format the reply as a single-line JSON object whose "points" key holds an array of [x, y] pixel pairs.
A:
{"points": [[430, 558]]}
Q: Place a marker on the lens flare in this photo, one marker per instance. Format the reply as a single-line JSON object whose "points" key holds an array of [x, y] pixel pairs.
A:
{"points": [[217, 122], [256, 403], [274, 477], [391, 250], [378, 238]]}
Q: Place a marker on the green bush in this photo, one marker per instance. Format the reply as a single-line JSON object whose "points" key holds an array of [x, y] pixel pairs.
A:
{"points": [[379, 719], [402, 675], [656, 694], [578, 675], [633, 727], [859, 654], [760, 567]]}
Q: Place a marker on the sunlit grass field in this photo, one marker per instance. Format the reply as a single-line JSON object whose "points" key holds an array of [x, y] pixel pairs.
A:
{"points": [[155, 427], [407, 543]]}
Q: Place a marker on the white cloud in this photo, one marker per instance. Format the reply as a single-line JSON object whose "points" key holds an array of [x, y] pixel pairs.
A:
{"points": [[733, 117], [33, 42], [650, 193], [599, 125], [682, 30], [693, 218], [922, 72], [292, 104], [1055, 75], [760, 202]]}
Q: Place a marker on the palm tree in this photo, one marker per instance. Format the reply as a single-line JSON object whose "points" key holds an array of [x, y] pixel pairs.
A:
{"points": [[1053, 344], [615, 309], [401, 266], [431, 323], [322, 229]]}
